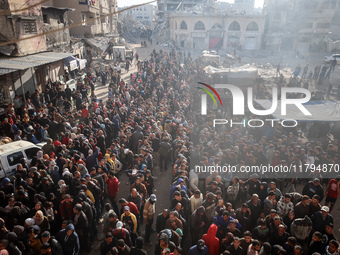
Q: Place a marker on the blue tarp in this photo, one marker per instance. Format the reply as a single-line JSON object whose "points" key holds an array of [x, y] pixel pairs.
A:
{"points": [[320, 110]]}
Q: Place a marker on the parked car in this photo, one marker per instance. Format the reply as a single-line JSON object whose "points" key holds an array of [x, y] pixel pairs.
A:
{"points": [[328, 59], [12, 153]]}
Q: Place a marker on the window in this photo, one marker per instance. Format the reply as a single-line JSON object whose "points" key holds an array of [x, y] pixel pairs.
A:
{"points": [[31, 152], [14, 159], [61, 18], [199, 26], [252, 27], [216, 27], [184, 25], [45, 18], [29, 26], [235, 26]]}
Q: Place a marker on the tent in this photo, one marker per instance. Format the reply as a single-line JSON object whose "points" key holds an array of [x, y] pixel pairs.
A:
{"points": [[320, 110]]}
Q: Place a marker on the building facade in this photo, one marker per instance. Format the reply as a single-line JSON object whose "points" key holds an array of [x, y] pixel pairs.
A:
{"points": [[145, 14], [21, 24], [166, 7], [301, 25], [87, 10], [211, 31]]}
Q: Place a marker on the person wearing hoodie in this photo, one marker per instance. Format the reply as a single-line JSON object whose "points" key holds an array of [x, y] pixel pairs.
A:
{"points": [[178, 186], [301, 229], [199, 249], [265, 249], [69, 240], [198, 221], [163, 243], [138, 249], [212, 241]]}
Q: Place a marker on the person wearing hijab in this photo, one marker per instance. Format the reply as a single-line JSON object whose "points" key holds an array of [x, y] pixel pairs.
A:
{"points": [[41, 221]]}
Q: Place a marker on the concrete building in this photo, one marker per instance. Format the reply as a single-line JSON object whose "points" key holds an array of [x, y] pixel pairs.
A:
{"points": [[85, 10], [244, 5], [21, 24], [217, 31], [166, 7], [145, 14], [56, 18], [301, 25]]}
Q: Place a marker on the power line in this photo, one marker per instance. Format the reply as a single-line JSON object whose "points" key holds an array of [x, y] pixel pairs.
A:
{"points": [[74, 25], [23, 9]]}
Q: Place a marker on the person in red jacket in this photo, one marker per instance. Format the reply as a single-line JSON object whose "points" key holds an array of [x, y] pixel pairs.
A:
{"points": [[131, 205], [211, 241], [112, 190], [66, 207]]}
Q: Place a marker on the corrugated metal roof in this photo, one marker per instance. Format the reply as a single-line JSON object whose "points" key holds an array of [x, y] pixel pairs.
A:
{"points": [[8, 65]]}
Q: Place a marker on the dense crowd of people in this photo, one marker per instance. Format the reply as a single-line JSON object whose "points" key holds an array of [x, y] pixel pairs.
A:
{"points": [[152, 122]]}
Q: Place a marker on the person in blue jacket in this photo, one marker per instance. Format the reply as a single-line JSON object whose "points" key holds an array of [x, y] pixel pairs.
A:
{"points": [[69, 240], [178, 186], [199, 249], [225, 219]]}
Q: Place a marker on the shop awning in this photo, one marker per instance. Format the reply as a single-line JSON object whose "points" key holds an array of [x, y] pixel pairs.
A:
{"points": [[12, 64]]}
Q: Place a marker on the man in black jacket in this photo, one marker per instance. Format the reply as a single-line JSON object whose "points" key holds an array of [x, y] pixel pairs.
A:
{"points": [[161, 220]]}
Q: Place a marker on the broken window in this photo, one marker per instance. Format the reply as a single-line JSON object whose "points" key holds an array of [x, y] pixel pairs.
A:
{"points": [[199, 26], [29, 26], [45, 18], [184, 25], [235, 26], [252, 27]]}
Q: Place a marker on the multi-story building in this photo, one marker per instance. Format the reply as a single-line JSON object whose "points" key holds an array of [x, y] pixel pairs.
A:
{"points": [[145, 14], [87, 10], [301, 25], [217, 31], [21, 24]]}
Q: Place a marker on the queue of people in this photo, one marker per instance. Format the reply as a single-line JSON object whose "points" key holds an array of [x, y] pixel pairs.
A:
{"points": [[56, 201]]}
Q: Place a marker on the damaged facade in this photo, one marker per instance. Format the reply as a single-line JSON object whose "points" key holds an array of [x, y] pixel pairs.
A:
{"points": [[302, 25], [216, 30], [21, 24], [85, 10]]}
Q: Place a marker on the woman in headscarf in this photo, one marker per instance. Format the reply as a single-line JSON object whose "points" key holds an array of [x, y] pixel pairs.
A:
{"points": [[41, 221], [38, 207]]}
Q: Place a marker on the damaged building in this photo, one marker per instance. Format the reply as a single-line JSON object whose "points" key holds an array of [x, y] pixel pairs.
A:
{"points": [[302, 25], [26, 64], [211, 30]]}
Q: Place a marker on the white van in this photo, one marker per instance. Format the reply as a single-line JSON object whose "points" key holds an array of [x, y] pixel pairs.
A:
{"points": [[12, 153]]}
